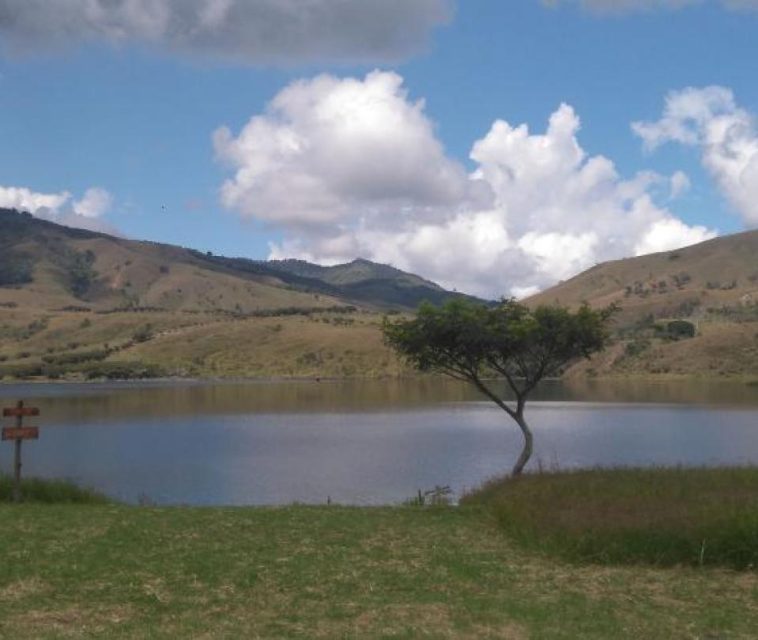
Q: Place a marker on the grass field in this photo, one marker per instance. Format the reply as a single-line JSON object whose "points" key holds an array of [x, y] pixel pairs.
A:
{"points": [[299, 572], [661, 517], [111, 571]]}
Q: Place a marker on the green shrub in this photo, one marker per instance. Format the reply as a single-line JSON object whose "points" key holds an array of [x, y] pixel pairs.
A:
{"points": [[15, 268], [50, 491], [143, 333], [680, 329], [80, 272], [636, 347], [123, 371], [76, 358]]}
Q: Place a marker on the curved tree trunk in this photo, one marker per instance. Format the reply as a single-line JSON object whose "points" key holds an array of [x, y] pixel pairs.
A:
{"points": [[526, 452]]}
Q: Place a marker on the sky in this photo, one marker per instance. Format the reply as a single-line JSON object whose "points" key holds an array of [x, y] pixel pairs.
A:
{"points": [[494, 147]]}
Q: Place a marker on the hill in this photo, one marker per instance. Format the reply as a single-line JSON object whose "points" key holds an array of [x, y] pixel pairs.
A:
{"points": [[711, 286], [82, 303], [50, 265], [76, 303]]}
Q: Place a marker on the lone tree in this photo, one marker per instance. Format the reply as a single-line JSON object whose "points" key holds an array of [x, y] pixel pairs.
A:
{"points": [[478, 343]]}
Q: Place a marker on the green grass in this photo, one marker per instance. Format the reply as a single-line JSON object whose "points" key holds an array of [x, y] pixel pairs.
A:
{"points": [[591, 554], [112, 571], [50, 492], [660, 517]]}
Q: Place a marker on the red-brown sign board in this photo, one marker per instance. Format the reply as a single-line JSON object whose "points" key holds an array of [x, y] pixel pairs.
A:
{"points": [[10, 412], [20, 433]]}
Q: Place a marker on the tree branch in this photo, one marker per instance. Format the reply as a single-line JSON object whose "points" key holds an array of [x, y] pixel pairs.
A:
{"points": [[492, 396]]}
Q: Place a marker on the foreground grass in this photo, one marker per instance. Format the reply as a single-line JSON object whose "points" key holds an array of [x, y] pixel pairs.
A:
{"points": [[661, 517], [69, 571]]}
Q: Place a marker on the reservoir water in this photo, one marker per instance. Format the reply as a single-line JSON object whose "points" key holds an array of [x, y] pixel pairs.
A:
{"points": [[372, 442]]}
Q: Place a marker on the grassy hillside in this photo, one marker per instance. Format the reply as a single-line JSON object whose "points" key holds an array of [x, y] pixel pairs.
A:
{"points": [[45, 265], [713, 286], [76, 303], [712, 274], [289, 343], [62, 268]]}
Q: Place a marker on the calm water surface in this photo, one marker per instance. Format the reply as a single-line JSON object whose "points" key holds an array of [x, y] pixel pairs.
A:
{"points": [[361, 442]]}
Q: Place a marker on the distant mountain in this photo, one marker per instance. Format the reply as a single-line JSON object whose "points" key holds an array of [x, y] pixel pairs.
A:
{"points": [[358, 270], [79, 304], [366, 281], [52, 266]]}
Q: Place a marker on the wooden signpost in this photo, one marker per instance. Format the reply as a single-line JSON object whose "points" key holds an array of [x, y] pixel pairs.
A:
{"points": [[18, 434]]}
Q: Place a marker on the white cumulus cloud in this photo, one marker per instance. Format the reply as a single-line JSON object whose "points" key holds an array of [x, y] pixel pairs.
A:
{"points": [[327, 147], [255, 31], [709, 119], [627, 6], [352, 167], [25, 199], [95, 203], [61, 207], [680, 184]]}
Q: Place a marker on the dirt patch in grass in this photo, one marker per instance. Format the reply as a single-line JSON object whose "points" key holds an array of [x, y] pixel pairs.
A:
{"points": [[23, 589], [68, 622]]}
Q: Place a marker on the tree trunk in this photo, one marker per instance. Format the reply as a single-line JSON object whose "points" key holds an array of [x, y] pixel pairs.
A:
{"points": [[526, 452]]}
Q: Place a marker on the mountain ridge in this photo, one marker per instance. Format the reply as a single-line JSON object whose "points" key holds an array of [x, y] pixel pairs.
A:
{"points": [[103, 270]]}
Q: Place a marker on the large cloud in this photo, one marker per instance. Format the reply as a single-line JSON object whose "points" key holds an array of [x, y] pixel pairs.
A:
{"points": [[328, 147], [257, 31], [350, 167], [626, 6], [61, 207], [623, 6], [710, 119]]}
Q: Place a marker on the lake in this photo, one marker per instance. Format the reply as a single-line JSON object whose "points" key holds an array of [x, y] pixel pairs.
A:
{"points": [[361, 442]]}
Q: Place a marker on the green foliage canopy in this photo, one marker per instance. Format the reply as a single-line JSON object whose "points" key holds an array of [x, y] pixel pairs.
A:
{"points": [[472, 341]]}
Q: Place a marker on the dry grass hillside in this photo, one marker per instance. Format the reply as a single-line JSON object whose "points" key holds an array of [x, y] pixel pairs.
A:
{"points": [[90, 345], [79, 304], [712, 287], [719, 272]]}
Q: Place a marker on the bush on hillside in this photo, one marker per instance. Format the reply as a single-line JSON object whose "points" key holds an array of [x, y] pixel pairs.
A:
{"points": [[15, 269], [680, 329]]}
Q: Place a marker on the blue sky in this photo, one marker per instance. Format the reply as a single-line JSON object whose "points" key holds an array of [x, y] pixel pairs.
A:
{"points": [[116, 103]]}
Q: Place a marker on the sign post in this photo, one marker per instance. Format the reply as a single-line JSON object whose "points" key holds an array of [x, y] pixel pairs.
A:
{"points": [[18, 434]]}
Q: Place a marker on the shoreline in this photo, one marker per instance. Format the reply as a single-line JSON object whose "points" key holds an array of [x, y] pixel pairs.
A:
{"points": [[747, 379]]}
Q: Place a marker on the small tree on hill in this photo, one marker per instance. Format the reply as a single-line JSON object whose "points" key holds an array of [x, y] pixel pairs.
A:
{"points": [[476, 342]]}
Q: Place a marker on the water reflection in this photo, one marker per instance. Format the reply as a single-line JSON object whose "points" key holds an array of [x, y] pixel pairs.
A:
{"points": [[82, 403]]}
